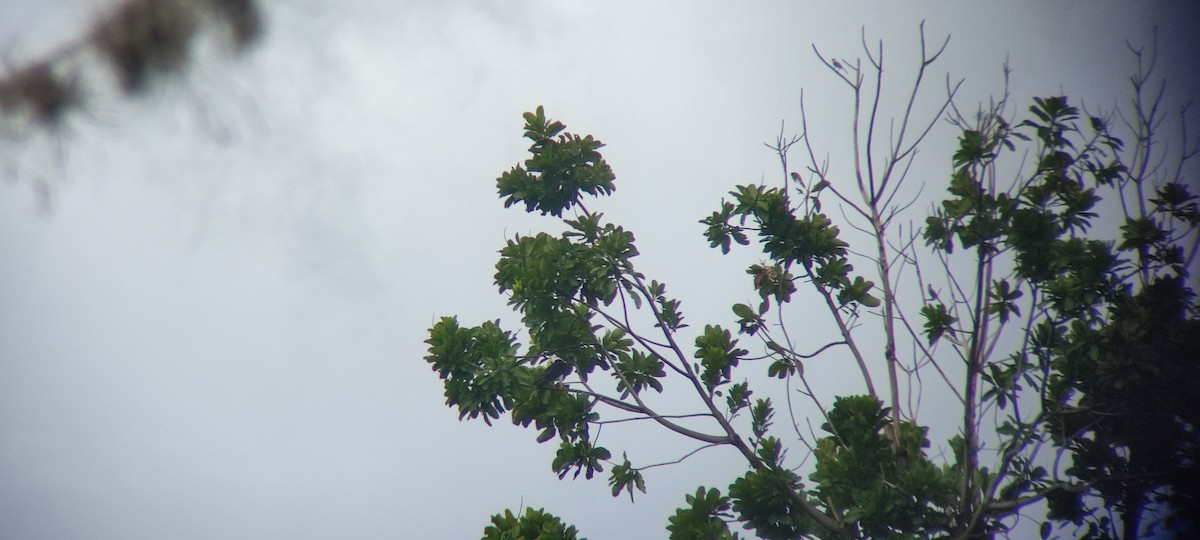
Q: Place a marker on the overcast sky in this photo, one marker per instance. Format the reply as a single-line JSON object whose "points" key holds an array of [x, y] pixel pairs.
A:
{"points": [[213, 301]]}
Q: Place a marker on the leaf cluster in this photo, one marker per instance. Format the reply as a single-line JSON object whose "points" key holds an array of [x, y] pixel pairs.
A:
{"points": [[890, 488], [563, 166], [791, 235], [534, 524], [1112, 328]]}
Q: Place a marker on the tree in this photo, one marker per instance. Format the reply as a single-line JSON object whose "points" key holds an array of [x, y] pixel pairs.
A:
{"points": [[1068, 353]]}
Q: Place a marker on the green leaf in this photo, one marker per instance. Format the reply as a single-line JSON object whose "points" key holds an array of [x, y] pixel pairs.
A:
{"points": [[718, 354], [738, 398], [561, 169], [764, 500], [749, 322], [580, 457], [703, 518], [938, 321], [535, 524], [640, 370], [760, 417], [626, 478], [743, 311], [1141, 233]]}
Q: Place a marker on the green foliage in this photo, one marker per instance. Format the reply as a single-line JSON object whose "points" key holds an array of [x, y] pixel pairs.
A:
{"points": [[790, 235], [1126, 403], [477, 365], [890, 488], [938, 321], [1177, 201], [1112, 318], [786, 237], [1004, 298], [638, 370], [720, 232], [738, 398], [760, 419], [1098, 368], [703, 518], [563, 167], [626, 478], [763, 499], [533, 525], [582, 456], [718, 355]]}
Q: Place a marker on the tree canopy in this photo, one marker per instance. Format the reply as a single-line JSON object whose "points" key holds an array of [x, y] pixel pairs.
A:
{"points": [[1050, 291]]}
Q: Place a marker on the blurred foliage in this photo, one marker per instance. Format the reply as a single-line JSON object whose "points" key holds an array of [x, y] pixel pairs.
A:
{"points": [[137, 40]]}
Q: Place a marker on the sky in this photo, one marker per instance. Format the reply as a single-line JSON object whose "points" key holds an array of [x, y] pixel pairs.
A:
{"points": [[214, 298]]}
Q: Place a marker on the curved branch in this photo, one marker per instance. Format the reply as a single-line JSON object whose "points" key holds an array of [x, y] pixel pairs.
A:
{"points": [[845, 331], [642, 409], [680, 460]]}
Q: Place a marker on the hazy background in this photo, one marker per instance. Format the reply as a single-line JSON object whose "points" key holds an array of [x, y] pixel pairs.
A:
{"points": [[213, 300]]}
